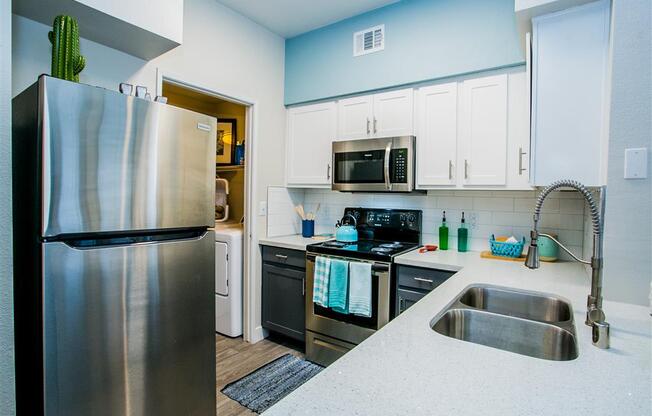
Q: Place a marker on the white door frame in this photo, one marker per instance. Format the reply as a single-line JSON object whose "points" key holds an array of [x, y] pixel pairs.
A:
{"points": [[250, 232]]}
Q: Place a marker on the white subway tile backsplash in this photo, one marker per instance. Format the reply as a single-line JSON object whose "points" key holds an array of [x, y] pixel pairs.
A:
{"points": [[281, 217], [570, 237], [514, 194], [571, 206], [442, 193], [473, 193], [527, 205], [571, 222], [454, 202], [486, 212], [494, 204], [549, 220], [512, 218]]}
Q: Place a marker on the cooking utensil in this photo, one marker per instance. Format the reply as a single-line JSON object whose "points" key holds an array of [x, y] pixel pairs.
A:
{"points": [[428, 247]]}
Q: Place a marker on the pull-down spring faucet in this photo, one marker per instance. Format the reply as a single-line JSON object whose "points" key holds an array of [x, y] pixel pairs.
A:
{"points": [[595, 317]]}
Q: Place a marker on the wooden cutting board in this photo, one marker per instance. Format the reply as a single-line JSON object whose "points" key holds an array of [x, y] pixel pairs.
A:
{"points": [[487, 255]]}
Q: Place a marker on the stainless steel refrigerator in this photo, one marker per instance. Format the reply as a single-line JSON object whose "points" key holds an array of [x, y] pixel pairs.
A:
{"points": [[114, 263]]}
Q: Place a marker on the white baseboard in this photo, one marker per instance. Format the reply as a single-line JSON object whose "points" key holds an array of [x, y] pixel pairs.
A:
{"points": [[258, 334]]}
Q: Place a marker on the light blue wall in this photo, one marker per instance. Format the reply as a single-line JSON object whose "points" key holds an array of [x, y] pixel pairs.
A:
{"points": [[628, 223], [425, 40], [7, 396]]}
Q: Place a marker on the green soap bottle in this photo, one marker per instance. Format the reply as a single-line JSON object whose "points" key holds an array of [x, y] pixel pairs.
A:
{"points": [[462, 236], [443, 234]]}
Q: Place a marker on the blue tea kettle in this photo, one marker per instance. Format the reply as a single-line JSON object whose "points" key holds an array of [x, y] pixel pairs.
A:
{"points": [[346, 233]]}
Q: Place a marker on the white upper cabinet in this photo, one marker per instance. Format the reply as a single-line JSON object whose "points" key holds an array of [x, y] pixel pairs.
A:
{"points": [[471, 134], [518, 131], [355, 116], [483, 139], [436, 111], [311, 130], [385, 114], [393, 113], [569, 94]]}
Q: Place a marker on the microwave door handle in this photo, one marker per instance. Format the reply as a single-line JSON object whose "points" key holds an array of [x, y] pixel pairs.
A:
{"points": [[388, 151]]}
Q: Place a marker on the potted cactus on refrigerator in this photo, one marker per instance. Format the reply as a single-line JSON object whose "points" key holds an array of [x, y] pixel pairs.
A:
{"points": [[67, 63]]}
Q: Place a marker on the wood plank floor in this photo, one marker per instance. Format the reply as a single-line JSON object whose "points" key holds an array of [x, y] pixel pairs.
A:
{"points": [[235, 359]]}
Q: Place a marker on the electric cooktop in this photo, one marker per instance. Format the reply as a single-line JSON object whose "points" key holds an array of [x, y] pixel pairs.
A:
{"points": [[383, 234]]}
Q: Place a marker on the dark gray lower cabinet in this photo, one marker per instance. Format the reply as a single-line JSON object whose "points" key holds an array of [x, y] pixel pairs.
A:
{"points": [[414, 283], [283, 291], [407, 298]]}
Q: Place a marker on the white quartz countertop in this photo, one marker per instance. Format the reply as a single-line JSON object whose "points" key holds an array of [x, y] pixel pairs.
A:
{"points": [[408, 369], [294, 242]]}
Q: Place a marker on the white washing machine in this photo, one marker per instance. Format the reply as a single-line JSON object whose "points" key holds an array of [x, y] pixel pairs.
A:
{"points": [[228, 279]]}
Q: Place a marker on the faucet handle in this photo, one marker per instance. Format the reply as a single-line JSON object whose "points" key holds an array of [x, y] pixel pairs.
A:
{"points": [[600, 331]]}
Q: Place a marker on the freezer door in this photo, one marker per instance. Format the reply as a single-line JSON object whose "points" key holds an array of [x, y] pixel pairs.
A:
{"points": [[112, 162], [130, 330]]}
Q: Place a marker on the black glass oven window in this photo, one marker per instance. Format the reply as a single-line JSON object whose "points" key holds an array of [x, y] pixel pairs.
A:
{"points": [[360, 167]]}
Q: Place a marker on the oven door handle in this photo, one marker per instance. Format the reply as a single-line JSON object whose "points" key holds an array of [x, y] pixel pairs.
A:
{"points": [[388, 152], [374, 267]]}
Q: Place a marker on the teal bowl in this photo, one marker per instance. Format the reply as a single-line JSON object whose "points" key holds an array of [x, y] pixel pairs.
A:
{"points": [[548, 249]]}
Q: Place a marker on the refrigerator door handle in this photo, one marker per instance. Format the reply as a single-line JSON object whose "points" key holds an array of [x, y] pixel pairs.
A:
{"points": [[124, 240]]}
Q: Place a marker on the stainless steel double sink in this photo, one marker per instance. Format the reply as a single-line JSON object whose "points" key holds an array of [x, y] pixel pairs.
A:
{"points": [[528, 323]]}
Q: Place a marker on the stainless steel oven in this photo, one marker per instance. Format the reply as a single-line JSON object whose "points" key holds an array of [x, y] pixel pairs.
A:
{"points": [[329, 334], [374, 165]]}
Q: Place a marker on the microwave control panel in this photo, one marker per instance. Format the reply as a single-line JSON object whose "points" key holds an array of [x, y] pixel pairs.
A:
{"points": [[399, 166]]}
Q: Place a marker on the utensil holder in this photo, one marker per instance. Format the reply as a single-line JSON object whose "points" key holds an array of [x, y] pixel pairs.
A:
{"points": [[307, 228]]}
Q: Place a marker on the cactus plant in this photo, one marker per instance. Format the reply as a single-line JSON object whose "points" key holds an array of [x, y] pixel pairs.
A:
{"points": [[67, 63]]}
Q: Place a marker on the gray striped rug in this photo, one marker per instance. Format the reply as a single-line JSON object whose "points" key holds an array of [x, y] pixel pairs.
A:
{"points": [[265, 386]]}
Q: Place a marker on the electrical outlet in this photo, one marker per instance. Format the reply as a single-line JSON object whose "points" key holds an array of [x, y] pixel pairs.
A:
{"points": [[636, 163], [472, 219], [262, 208]]}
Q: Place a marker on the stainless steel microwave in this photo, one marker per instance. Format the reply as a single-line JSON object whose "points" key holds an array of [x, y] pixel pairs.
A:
{"points": [[374, 165]]}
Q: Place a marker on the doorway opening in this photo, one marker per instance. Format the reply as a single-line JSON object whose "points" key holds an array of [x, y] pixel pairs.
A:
{"points": [[230, 156], [230, 196]]}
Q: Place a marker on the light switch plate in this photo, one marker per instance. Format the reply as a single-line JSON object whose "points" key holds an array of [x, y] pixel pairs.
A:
{"points": [[262, 208], [636, 163]]}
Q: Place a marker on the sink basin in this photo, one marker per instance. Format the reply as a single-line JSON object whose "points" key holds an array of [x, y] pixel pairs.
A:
{"points": [[522, 336], [527, 323], [527, 305]]}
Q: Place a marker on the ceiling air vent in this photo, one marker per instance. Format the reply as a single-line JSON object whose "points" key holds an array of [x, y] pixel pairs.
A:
{"points": [[369, 40]]}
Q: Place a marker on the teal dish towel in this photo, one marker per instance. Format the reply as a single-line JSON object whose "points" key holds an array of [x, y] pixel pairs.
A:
{"points": [[321, 281], [360, 289], [338, 287]]}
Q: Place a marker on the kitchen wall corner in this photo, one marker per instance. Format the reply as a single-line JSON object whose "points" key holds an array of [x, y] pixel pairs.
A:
{"points": [[282, 219]]}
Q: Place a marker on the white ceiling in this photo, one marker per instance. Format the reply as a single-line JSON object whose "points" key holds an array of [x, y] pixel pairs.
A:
{"points": [[289, 18]]}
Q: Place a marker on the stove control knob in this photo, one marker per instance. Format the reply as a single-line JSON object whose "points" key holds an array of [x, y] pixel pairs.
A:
{"points": [[412, 218]]}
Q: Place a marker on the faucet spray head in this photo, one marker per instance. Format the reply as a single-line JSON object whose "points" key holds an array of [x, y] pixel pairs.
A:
{"points": [[532, 259]]}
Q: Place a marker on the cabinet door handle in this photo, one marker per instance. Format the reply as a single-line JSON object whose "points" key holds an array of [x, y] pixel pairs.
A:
{"points": [[281, 256], [375, 130], [303, 289], [328, 171], [368, 128], [450, 169], [422, 279], [466, 169], [521, 153]]}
